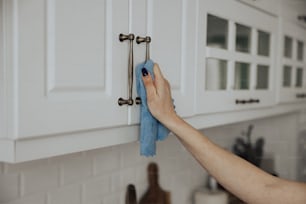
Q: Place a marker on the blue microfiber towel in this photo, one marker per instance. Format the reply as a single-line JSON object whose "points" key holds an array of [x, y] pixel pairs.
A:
{"points": [[151, 129]]}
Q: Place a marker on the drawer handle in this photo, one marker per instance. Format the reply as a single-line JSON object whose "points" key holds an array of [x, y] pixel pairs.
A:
{"points": [[247, 101], [130, 37], [301, 95]]}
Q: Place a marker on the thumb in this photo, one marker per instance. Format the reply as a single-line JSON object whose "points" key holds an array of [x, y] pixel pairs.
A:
{"points": [[148, 83]]}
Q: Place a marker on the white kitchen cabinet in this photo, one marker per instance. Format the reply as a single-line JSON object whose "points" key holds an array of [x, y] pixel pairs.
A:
{"points": [[292, 62], [65, 65], [64, 70], [236, 57]]}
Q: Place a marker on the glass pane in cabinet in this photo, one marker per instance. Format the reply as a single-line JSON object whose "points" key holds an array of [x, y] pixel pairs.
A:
{"points": [[288, 47], [300, 50], [299, 77], [262, 77], [242, 75], [243, 38], [217, 32], [216, 74], [287, 76], [263, 47]]}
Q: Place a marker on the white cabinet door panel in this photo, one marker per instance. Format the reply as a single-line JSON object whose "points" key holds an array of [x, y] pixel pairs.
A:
{"points": [[171, 24], [72, 66], [292, 62]]}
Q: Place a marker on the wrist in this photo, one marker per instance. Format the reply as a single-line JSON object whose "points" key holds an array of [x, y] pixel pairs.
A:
{"points": [[170, 120]]}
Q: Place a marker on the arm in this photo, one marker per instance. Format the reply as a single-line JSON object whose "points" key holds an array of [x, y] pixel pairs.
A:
{"points": [[238, 176]]}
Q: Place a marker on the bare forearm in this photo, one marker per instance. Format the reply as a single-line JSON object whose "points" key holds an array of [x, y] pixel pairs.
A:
{"points": [[238, 176]]}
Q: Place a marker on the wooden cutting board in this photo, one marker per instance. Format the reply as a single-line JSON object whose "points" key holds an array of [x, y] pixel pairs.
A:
{"points": [[130, 196], [155, 194]]}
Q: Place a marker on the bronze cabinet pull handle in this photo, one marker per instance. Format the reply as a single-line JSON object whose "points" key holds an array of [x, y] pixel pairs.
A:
{"points": [[130, 37], [146, 40], [138, 100]]}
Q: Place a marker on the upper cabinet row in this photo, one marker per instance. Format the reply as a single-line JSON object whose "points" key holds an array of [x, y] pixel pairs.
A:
{"points": [[65, 68]]}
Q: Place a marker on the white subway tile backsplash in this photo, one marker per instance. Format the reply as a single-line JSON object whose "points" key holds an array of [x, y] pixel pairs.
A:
{"points": [[181, 183], [39, 179], [106, 161], [121, 196], [111, 198], [75, 169], [198, 177], [1, 167], [67, 194], [302, 119], [95, 189], [94, 201], [171, 147], [141, 189], [33, 199], [292, 164], [127, 176], [130, 155], [101, 176], [9, 187], [115, 181], [16, 168], [141, 174]]}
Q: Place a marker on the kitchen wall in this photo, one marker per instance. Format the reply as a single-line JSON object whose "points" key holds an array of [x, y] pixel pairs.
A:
{"points": [[101, 176]]}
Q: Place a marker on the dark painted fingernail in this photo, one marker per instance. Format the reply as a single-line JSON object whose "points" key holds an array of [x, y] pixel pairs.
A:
{"points": [[144, 72]]}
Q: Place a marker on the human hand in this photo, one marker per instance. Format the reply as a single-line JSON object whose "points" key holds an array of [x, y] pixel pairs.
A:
{"points": [[158, 95]]}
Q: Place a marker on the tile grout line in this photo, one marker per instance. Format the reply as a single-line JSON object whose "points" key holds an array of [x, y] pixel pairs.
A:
{"points": [[21, 184]]}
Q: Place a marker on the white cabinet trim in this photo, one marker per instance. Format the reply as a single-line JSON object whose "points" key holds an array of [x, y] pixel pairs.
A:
{"points": [[14, 151], [9, 68]]}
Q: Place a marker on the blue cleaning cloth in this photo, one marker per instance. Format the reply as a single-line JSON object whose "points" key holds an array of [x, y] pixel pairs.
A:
{"points": [[151, 129]]}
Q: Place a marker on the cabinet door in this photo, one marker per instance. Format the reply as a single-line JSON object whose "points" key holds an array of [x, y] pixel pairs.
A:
{"points": [[292, 63], [71, 66], [171, 25], [235, 57]]}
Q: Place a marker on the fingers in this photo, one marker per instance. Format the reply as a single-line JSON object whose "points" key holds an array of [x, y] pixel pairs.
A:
{"points": [[157, 72], [148, 83], [159, 78]]}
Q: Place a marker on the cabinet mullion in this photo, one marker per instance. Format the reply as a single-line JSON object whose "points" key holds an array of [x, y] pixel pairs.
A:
{"points": [[231, 75], [231, 36], [253, 76]]}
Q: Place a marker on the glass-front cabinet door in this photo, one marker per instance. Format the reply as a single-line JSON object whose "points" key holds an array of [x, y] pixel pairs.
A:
{"points": [[236, 57], [292, 63]]}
